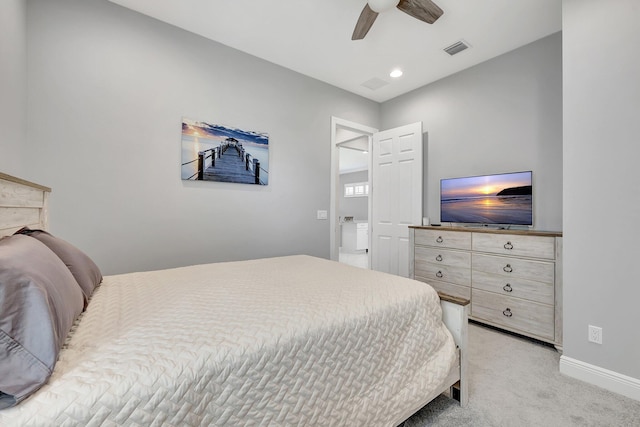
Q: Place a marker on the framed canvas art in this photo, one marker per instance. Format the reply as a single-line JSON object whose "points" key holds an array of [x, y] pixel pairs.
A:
{"points": [[212, 152]]}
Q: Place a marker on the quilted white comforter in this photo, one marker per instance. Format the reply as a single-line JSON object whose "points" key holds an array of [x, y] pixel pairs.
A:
{"points": [[282, 341]]}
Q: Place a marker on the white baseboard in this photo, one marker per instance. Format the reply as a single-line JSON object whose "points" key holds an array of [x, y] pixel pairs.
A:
{"points": [[610, 380]]}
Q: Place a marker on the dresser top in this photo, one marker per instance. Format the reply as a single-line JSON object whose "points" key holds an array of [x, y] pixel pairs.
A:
{"points": [[490, 230]]}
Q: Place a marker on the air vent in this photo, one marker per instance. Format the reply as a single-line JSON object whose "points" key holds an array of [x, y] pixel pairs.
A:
{"points": [[457, 47], [374, 83]]}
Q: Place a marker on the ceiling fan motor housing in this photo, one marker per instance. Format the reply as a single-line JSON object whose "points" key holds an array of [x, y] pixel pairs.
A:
{"points": [[424, 10], [382, 5]]}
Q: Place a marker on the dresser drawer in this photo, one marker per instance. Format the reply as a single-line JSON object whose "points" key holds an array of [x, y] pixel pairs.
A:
{"points": [[514, 286], [508, 267], [513, 313], [443, 256], [443, 238], [515, 245], [449, 288], [427, 271]]}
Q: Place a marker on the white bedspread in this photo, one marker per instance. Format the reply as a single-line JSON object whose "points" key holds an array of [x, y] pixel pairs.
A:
{"points": [[283, 341]]}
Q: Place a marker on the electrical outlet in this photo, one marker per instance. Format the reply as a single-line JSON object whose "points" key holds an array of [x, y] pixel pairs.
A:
{"points": [[595, 334]]}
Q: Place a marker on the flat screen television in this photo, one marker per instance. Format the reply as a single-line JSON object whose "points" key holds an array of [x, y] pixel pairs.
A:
{"points": [[500, 199]]}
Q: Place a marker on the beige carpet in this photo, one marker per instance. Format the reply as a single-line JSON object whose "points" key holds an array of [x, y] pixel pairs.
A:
{"points": [[516, 382]]}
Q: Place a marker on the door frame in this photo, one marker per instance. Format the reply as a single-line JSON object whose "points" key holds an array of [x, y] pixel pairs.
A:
{"points": [[334, 226]]}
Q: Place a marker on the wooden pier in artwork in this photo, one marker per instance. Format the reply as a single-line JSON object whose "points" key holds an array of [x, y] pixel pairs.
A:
{"points": [[228, 163]]}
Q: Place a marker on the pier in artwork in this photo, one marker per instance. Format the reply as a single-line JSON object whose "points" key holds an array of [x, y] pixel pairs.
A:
{"points": [[229, 162]]}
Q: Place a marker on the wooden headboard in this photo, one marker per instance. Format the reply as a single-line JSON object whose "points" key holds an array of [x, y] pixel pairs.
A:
{"points": [[22, 203]]}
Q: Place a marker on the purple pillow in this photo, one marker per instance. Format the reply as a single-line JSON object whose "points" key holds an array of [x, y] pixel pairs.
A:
{"points": [[84, 270], [39, 301]]}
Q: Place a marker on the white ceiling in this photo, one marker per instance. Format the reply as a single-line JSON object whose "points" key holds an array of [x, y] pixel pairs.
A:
{"points": [[352, 160], [313, 37]]}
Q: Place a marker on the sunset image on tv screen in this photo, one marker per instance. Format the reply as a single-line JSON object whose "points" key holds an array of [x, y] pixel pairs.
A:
{"points": [[488, 199]]}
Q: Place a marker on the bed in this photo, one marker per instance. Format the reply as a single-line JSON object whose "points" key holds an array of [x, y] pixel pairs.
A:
{"points": [[293, 340]]}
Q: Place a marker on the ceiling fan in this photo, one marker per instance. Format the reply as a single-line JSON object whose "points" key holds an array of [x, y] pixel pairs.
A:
{"points": [[424, 10]]}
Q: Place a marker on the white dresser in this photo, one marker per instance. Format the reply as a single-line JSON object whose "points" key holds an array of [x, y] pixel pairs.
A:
{"points": [[512, 277], [354, 236], [362, 236]]}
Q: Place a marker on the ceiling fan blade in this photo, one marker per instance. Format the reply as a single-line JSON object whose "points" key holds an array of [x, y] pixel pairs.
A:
{"points": [[424, 10], [367, 17]]}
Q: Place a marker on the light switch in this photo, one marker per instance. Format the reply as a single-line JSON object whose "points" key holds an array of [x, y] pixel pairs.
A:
{"points": [[322, 215]]}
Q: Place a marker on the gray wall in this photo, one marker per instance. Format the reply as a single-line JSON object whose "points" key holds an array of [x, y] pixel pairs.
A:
{"points": [[601, 131], [107, 90], [13, 86], [504, 115], [357, 207]]}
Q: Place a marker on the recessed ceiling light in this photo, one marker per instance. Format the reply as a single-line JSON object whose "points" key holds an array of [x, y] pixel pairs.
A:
{"points": [[396, 73]]}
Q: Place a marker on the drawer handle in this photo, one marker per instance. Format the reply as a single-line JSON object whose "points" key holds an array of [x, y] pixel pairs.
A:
{"points": [[439, 239], [507, 268], [439, 258], [507, 288], [439, 274], [507, 312], [508, 245]]}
